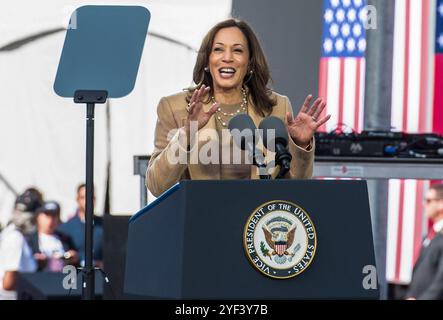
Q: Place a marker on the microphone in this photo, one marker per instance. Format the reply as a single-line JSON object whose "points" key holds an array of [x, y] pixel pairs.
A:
{"points": [[275, 138], [243, 130]]}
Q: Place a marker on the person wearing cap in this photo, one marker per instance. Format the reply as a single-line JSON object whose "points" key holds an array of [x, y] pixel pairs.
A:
{"points": [[52, 249], [15, 253]]}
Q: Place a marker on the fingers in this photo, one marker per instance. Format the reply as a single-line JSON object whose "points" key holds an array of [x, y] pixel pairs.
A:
{"points": [[207, 115], [191, 108], [289, 118], [213, 109], [199, 94], [194, 95], [195, 104], [191, 103], [202, 92], [319, 110], [305, 106], [197, 107], [314, 107], [323, 121]]}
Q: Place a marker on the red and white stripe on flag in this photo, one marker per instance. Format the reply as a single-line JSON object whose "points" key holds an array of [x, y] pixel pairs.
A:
{"points": [[280, 249], [411, 111], [342, 85], [342, 64]]}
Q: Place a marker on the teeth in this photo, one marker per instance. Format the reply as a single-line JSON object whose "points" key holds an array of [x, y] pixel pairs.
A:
{"points": [[227, 70]]}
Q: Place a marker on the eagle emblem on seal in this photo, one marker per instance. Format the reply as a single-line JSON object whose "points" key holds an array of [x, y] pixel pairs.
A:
{"points": [[279, 234]]}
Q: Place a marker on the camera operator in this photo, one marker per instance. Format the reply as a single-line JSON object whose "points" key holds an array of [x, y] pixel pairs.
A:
{"points": [[52, 249]]}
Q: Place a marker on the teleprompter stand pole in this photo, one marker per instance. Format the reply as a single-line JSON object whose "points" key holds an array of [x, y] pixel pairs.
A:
{"points": [[90, 97]]}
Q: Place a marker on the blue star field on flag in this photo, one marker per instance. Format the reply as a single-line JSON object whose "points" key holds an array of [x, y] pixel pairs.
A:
{"points": [[439, 33], [344, 33]]}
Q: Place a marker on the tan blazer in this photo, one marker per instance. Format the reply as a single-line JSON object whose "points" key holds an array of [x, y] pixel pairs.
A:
{"points": [[162, 173]]}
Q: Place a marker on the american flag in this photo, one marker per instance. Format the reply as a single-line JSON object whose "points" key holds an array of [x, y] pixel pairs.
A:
{"points": [[416, 107], [342, 65], [417, 101]]}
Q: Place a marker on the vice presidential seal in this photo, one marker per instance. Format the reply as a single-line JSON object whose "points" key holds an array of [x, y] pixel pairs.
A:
{"points": [[280, 239]]}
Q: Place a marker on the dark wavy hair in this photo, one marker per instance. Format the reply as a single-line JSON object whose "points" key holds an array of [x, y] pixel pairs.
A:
{"points": [[257, 82]]}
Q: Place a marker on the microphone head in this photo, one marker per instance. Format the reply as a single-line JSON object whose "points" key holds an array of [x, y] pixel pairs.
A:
{"points": [[242, 129], [278, 135]]}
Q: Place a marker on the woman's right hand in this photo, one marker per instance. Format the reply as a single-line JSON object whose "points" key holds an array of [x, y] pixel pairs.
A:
{"points": [[196, 113]]}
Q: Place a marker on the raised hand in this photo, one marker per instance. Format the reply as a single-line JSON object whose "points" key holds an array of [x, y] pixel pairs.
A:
{"points": [[303, 127], [195, 108]]}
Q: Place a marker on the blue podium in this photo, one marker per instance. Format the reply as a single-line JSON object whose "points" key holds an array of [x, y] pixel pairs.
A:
{"points": [[264, 239]]}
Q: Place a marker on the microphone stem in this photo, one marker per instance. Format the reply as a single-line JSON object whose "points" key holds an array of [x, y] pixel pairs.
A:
{"points": [[282, 158]]}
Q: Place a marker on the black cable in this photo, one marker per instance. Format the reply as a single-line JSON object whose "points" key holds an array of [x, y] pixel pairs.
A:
{"points": [[105, 276]]}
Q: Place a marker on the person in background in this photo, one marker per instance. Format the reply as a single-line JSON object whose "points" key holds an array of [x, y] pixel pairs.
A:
{"points": [[75, 229], [15, 253], [427, 277], [51, 248]]}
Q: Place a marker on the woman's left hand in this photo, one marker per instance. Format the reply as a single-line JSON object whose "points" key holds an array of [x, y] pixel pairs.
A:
{"points": [[306, 123]]}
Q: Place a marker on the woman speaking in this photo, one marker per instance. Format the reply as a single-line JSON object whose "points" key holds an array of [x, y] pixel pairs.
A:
{"points": [[232, 77]]}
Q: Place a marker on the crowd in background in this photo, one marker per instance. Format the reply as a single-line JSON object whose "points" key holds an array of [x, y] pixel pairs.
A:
{"points": [[36, 240]]}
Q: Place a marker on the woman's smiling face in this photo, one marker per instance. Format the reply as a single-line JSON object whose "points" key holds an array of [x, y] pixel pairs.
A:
{"points": [[229, 59]]}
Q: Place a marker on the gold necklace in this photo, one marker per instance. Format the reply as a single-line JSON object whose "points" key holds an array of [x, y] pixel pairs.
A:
{"points": [[242, 108]]}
